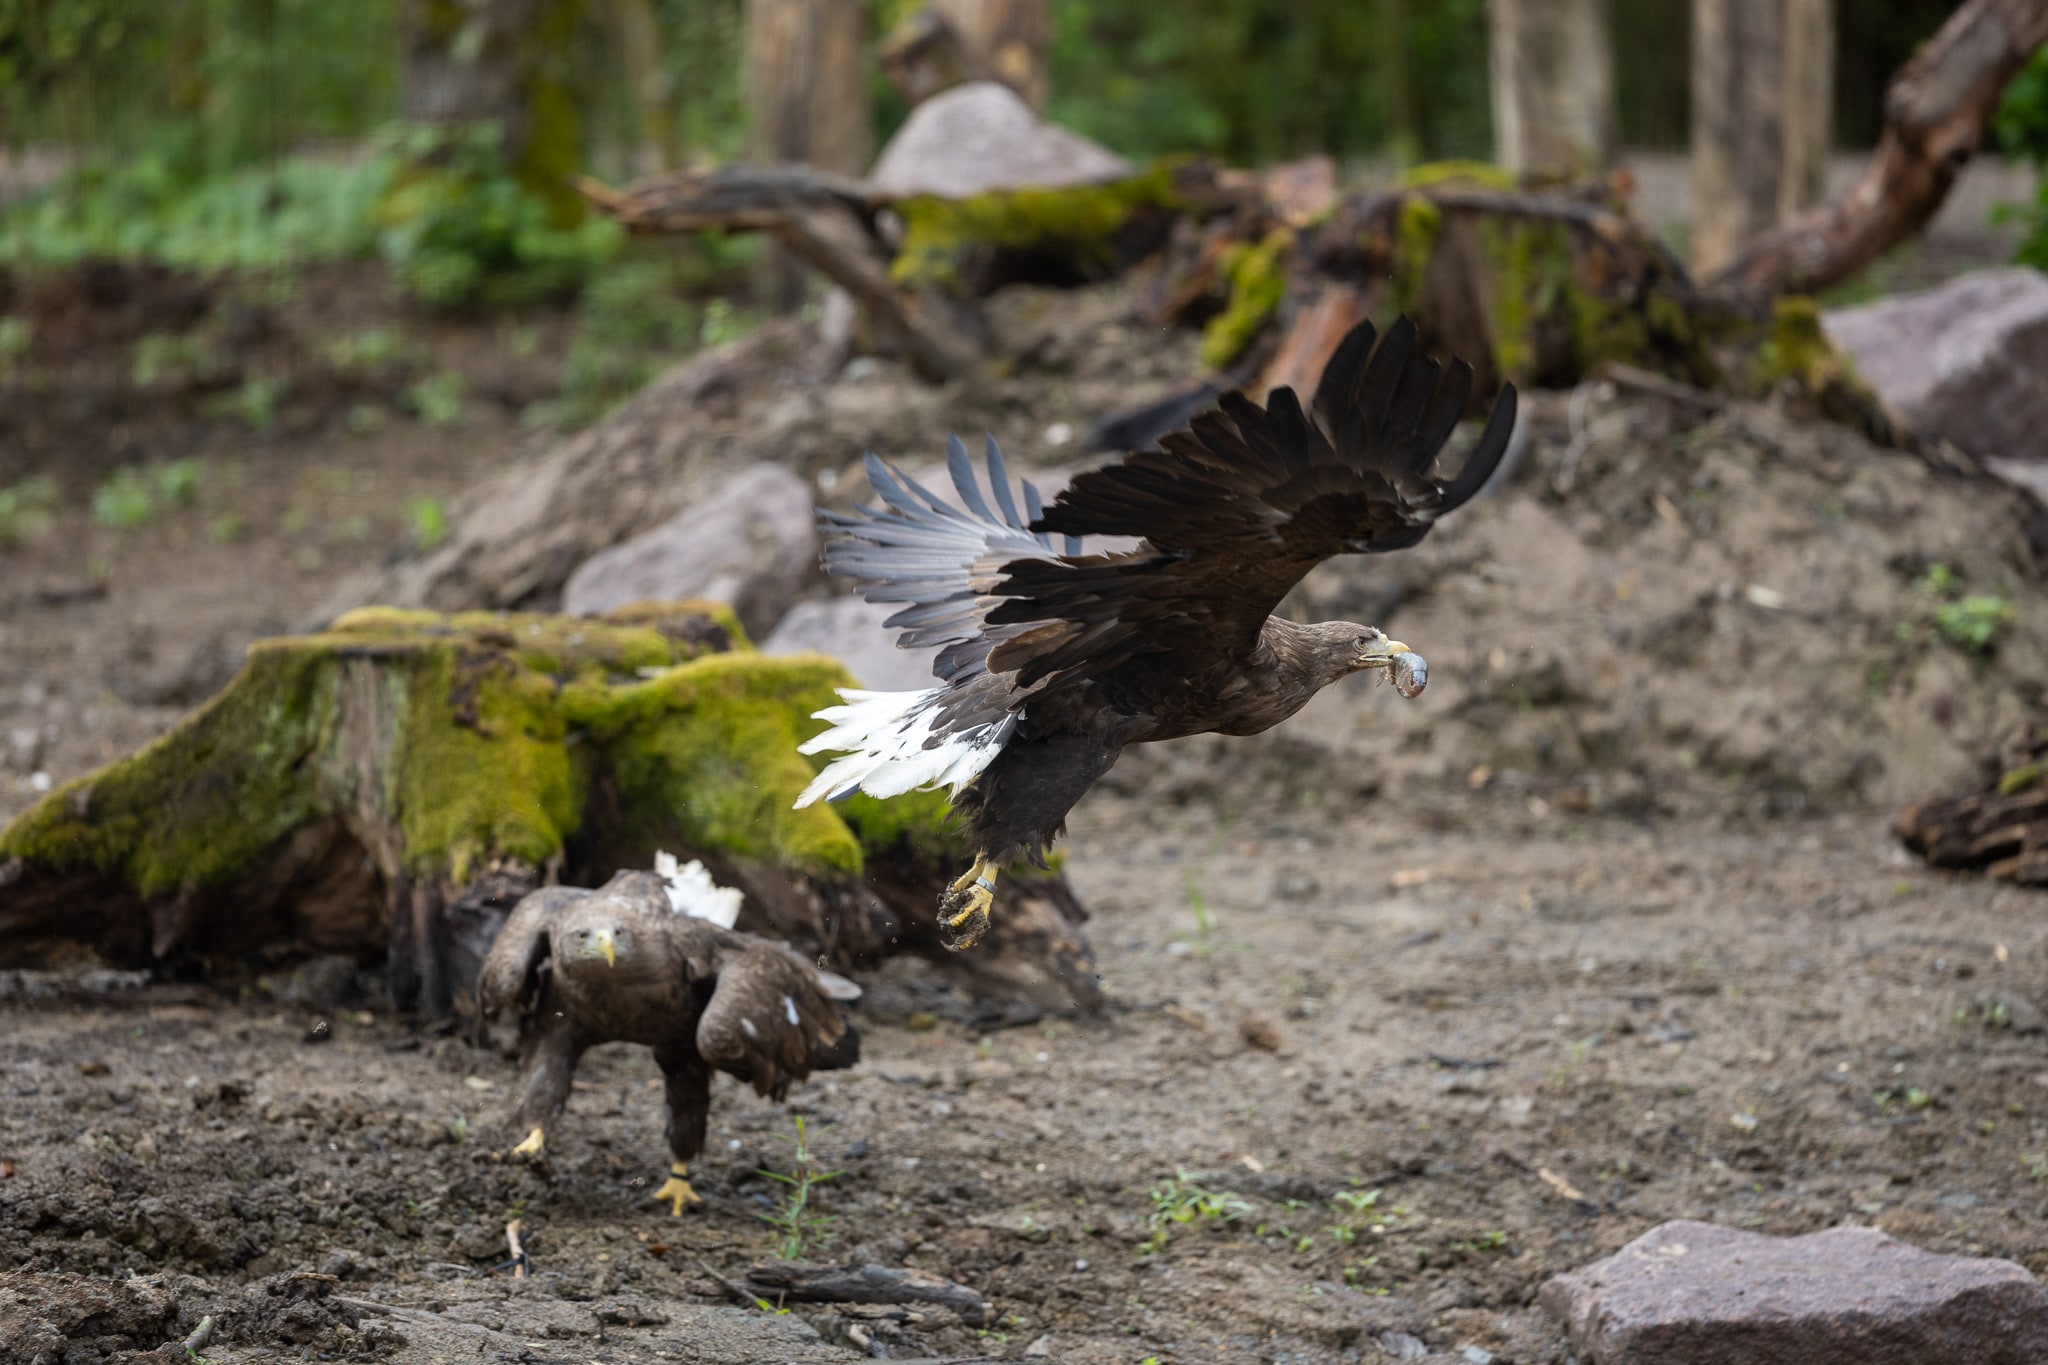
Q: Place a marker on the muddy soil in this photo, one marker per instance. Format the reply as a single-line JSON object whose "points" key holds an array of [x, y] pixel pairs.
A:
{"points": [[1415, 1004]]}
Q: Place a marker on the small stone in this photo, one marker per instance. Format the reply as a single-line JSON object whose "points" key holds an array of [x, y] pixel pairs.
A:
{"points": [[1689, 1293], [1261, 1033], [980, 137]]}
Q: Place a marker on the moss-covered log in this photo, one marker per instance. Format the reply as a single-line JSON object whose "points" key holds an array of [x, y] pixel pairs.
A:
{"points": [[2001, 829], [391, 786]]}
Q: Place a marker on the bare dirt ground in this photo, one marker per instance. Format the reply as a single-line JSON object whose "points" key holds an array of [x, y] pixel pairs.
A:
{"points": [[1415, 1004]]}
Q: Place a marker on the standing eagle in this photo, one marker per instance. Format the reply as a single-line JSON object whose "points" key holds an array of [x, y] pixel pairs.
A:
{"points": [[646, 959], [1053, 660]]}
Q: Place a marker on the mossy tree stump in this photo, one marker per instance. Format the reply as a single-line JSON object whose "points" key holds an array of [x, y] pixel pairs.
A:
{"points": [[393, 785]]}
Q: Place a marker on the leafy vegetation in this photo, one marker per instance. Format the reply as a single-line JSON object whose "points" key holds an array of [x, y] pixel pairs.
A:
{"points": [[1183, 1201], [2021, 130], [133, 496], [1971, 622], [1260, 80], [25, 510], [800, 1225]]}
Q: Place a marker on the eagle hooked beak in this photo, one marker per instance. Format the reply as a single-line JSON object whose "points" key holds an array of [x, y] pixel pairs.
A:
{"points": [[1381, 653]]}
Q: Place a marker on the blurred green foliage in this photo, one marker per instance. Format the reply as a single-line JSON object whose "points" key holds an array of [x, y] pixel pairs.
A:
{"points": [[458, 228], [2021, 130], [1260, 80]]}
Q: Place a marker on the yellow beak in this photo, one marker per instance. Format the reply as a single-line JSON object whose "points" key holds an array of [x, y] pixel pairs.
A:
{"points": [[606, 945]]}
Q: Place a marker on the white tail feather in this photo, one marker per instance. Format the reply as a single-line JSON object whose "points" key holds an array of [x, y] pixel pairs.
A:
{"points": [[883, 737], [692, 892]]}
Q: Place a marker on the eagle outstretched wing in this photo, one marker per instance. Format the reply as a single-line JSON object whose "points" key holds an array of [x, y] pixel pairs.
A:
{"points": [[770, 1019], [941, 562], [1237, 508], [1231, 513]]}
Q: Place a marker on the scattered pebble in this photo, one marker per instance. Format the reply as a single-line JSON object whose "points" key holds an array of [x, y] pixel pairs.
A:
{"points": [[1260, 1032]]}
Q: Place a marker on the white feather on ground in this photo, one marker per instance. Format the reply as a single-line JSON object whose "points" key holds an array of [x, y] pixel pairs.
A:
{"points": [[692, 892], [885, 737]]}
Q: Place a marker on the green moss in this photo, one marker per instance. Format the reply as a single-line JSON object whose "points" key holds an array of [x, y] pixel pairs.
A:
{"points": [[1797, 349], [1257, 275], [483, 767], [1415, 236], [2016, 780], [939, 232], [708, 749], [623, 643], [1483, 174], [1531, 265], [477, 736], [200, 803], [917, 821]]}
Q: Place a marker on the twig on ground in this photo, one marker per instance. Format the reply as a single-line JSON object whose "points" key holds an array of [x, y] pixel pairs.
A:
{"points": [[744, 1296], [520, 1263]]}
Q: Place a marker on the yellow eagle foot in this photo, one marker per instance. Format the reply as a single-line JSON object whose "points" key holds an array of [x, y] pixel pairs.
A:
{"points": [[676, 1190], [535, 1145]]}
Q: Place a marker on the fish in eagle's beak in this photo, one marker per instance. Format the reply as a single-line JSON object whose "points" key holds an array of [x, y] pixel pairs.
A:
{"points": [[1406, 670]]}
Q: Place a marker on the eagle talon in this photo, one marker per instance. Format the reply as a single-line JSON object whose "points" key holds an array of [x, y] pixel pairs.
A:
{"points": [[534, 1146], [676, 1190], [964, 915]]}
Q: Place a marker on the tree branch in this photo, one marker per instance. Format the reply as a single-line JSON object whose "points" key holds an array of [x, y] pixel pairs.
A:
{"points": [[1936, 113]]}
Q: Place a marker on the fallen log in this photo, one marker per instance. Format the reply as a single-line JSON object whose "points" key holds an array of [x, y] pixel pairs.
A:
{"points": [[391, 787], [776, 1281], [2001, 829]]}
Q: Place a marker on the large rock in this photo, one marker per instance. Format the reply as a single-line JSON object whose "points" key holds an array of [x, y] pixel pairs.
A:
{"points": [[750, 543], [1697, 1294], [980, 137], [850, 630], [1967, 361]]}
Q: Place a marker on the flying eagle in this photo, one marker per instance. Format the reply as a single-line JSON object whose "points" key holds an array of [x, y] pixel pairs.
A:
{"points": [[1054, 659], [646, 959]]}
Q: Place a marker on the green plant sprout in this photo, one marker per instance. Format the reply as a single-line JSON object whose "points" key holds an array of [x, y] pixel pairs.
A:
{"points": [[802, 1227]]}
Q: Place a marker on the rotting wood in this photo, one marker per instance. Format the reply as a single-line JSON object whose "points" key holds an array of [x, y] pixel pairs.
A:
{"points": [[2001, 829]]}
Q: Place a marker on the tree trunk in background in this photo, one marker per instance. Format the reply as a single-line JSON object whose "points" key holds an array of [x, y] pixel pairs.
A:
{"points": [[1762, 77], [807, 99], [501, 62], [637, 40], [1552, 71], [951, 42], [1404, 111], [1007, 38]]}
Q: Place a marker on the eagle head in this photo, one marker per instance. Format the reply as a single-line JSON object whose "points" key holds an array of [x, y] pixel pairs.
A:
{"points": [[1369, 648], [609, 942]]}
